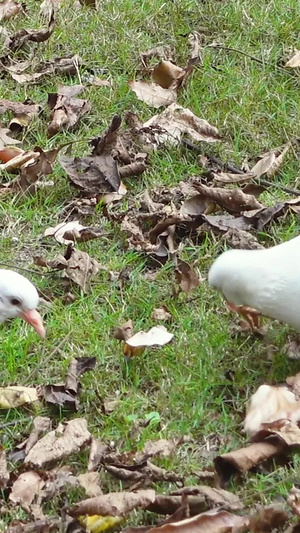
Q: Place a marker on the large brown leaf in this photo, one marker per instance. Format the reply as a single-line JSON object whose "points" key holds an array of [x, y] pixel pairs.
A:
{"points": [[152, 94], [233, 200], [26, 488], [68, 438], [63, 65], [214, 521], [114, 503]]}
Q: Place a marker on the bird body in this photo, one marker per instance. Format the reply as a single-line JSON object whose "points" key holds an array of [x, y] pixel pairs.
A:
{"points": [[266, 280], [19, 298]]}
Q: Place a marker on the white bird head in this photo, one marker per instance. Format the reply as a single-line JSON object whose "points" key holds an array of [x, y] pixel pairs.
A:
{"points": [[19, 298]]}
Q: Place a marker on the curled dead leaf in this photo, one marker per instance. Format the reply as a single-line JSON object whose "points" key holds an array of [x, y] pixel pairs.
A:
{"points": [[186, 276], [66, 439], [294, 62], [66, 110], [114, 503]]}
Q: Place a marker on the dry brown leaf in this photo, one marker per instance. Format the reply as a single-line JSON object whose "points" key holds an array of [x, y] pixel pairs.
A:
{"points": [[161, 313], [9, 8], [17, 108], [15, 395], [4, 473], [267, 519], [294, 62], [17, 40], [158, 52], [67, 439], [66, 395], [176, 121], [40, 424], [124, 332], [67, 232], [233, 200], [77, 265], [166, 73], [243, 240], [197, 205], [43, 525], [213, 521], [10, 152], [269, 404], [97, 450], [66, 110], [186, 276], [214, 497], [90, 481], [114, 503], [63, 65], [48, 7], [162, 447], [294, 500], [5, 139], [152, 94], [228, 178], [271, 163], [26, 488]]}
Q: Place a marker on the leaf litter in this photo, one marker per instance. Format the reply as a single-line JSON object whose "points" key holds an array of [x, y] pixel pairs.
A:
{"points": [[155, 224]]}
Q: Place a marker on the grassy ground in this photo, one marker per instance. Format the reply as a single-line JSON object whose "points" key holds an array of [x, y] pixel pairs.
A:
{"points": [[198, 385]]}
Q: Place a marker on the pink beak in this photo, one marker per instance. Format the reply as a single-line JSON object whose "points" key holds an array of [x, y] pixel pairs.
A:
{"points": [[34, 318]]}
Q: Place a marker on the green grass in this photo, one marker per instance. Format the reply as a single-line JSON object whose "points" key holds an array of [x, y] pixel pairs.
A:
{"points": [[255, 107]]}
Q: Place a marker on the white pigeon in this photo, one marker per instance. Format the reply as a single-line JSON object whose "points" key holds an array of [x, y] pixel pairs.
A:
{"points": [[19, 298], [263, 282]]}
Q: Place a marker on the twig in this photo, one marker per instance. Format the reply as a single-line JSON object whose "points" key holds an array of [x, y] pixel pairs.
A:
{"points": [[15, 422], [256, 59], [47, 359]]}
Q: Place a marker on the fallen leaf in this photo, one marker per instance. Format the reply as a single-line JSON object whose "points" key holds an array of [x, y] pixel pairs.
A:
{"points": [[66, 110], [197, 205], [158, 52], [40, 424], [5, 139], [90, 481], [271, 163], [124, 332], [292, 348], [232, 200], [16, 395], [173, 123], [17, 108], [266, 519], [67, 439], [274, 438], [163, 447], [10, 152], [66, 395], [57, 480], [161, 313], [9, 8], [294, 62], [17, 40], [166, 73], [4, 472], [63, 65], [26, 488], [186, 276], [98, 524], [114, 503], [294, 500], [97, 450], [48, 7], [38, 526], [67, 232], [77, 265], [214, 497], [213, 521], [228, 178], [152, 94]]}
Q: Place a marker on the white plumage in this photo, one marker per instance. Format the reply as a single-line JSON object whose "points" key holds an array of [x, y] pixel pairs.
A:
{"points": [[19, 298], [265, 280]]}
